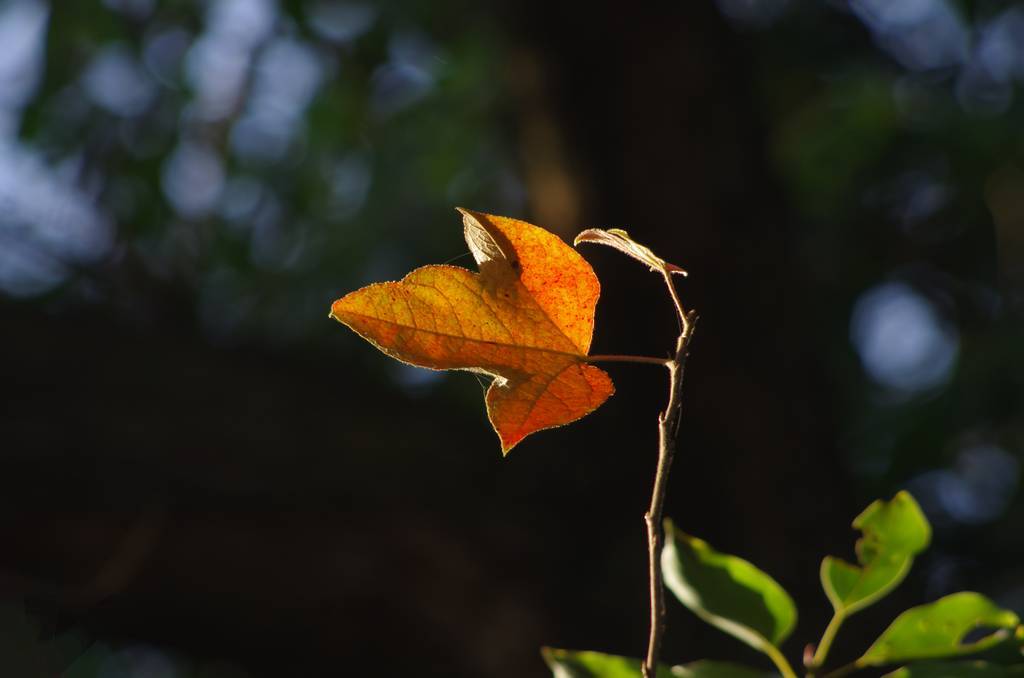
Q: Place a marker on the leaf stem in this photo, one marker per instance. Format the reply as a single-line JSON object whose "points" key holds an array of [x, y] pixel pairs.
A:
{"points": [[844, 670], [684, 320], [628, 359], [779, 660], [668, 427], [821, 653]]}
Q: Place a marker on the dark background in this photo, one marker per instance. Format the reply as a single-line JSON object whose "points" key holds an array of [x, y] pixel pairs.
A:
{"points": [[202, 475]]}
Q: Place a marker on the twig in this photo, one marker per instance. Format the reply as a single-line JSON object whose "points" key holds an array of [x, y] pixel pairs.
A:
{"points": [[668, 427]]}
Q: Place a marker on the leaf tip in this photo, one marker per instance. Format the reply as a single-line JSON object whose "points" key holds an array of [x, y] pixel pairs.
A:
{"points": [[507, 444], [677, 270], [584, 236], [469, 217], [335, 311]]}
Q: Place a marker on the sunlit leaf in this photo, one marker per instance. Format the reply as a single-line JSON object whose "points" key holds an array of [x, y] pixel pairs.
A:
{"points": [[1008, 651], [620, 240], [938, 630], [706, 668], [893, 533], [588, 664], [957, 670], [526, 318], [727, 592]]}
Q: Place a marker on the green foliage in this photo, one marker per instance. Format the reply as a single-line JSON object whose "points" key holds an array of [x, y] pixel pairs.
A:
{"points": [[28, 652], [95, 662], [957, 670], [735, 596], [894, 532], [938, 630], [727, 592], [585, 664], [847, 129], [260, 267]]}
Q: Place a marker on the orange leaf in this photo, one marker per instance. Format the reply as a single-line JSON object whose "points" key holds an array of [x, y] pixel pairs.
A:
{"points": [[526, 318]]}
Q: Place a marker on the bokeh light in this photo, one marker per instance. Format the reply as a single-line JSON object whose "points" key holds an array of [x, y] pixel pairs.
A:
{"points": [[977, 490], [903, 342], [186, 186]]}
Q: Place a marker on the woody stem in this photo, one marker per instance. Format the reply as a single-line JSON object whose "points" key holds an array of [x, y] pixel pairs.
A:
{"points": [[668, 427]]}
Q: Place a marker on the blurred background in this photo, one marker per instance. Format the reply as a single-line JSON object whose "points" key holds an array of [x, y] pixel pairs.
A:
{"points": [[203, 475]]}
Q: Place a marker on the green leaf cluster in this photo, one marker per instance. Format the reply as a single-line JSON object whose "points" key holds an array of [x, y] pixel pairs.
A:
{"points": [[586, 664], [733, 595]]}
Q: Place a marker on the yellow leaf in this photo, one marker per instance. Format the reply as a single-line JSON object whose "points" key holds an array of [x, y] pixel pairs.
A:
{"points": [[526, 318]]}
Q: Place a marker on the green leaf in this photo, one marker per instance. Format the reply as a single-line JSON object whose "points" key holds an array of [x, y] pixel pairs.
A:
{"points": [[23, 651], [98, 660], [937, 630], [957, 670], [1009, 652], [727, 592], [587, 664], [894, 532], [705, 668]]}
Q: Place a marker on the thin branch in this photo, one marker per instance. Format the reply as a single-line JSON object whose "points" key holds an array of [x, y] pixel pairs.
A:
{"points": [[668, 427], [664, 362]]}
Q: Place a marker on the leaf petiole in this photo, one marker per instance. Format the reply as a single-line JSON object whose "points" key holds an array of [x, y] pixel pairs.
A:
{"points": [[664, 362], [826, 640], [684, 319], [844, 670], [780, 661]]}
